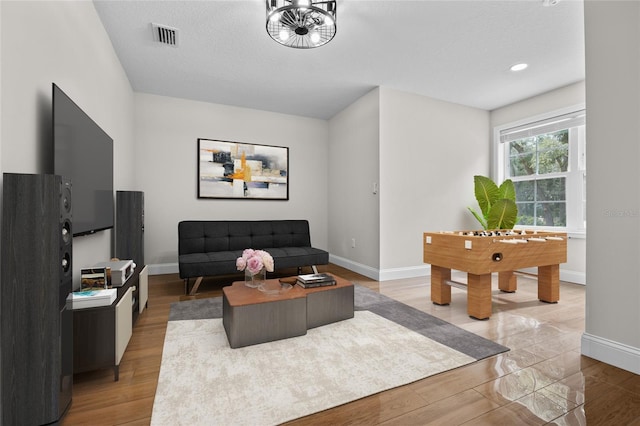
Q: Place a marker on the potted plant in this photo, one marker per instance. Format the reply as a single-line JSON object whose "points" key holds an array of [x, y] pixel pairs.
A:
{"points": [[497, 203]]}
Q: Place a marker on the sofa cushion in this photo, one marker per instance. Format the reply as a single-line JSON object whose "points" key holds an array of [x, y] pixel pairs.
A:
{"points": [[211, 247], [211, 236], [224, 262]]}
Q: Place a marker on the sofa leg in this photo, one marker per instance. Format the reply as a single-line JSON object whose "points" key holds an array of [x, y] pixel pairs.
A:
{"points": [[186, 286], [315, 269], [194, 289]]}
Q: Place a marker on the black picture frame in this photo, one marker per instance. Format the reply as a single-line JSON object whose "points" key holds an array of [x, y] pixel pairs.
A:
{"points": [[242, 171]]}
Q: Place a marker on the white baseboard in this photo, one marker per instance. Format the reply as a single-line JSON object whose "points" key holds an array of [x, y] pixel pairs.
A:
{"points": [[384, 274], [380, 274], [409, 272], [610, 352], [425, 270], [573, 276], [565, 275], [361, 269]]}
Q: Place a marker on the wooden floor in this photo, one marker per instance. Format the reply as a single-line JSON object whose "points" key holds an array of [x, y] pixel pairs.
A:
{"points": [[543, 379]]}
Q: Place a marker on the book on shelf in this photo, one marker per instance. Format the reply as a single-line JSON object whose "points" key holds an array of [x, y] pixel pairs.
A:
{"points": [[93, 278]]}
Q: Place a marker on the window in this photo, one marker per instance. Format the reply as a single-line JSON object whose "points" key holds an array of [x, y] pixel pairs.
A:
{"points": [[545, 159]]}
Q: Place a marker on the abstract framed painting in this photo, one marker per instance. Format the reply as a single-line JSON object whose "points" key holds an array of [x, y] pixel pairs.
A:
{"points": [[237, 170]]}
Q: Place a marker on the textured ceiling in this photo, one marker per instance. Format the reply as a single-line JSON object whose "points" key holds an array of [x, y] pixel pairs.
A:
{"points": [[457, 51]]}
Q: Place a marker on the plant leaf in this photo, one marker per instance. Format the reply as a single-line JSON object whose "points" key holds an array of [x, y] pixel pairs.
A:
{"points": [[486, 192], [479, 218], [503, 214], [507, 190]]}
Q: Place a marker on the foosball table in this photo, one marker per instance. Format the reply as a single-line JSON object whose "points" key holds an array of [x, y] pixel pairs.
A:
{"points": [[481, 253]]}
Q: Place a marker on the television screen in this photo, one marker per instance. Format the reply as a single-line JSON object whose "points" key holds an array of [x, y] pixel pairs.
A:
{"points": [[83, 152]]}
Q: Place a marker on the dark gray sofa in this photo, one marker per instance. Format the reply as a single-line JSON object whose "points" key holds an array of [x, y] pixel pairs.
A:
{"points": [[211, 247]]}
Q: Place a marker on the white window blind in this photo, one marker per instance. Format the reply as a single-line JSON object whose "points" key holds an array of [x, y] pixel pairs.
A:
{"points": [[545, 158], [550, 125]]}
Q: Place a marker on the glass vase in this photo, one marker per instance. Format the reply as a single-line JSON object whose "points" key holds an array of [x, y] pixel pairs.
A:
{"points": [[254, 281]]}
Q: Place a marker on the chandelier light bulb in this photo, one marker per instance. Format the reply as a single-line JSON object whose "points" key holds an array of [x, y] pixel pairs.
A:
{"points": [[284, 35], [275, 17], [315, 37]]}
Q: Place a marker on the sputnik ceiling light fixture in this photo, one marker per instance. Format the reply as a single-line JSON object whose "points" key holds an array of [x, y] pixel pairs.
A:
{"points": [[302, 24]]}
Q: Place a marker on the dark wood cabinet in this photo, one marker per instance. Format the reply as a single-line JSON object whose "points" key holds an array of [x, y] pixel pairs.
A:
{"points": [[101, 334]]}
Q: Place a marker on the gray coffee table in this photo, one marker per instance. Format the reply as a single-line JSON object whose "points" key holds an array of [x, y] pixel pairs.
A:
{"points": [[250, 316]]}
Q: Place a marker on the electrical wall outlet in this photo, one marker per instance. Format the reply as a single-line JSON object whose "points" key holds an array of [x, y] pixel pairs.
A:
{"points": [[353, 243]]}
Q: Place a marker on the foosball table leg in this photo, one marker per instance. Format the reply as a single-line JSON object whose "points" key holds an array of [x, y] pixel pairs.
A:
{"points": [[479, 296], [549, 283], [507, 282], [440, 291]]}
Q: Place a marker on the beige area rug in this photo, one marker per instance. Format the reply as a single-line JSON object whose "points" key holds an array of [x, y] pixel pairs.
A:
{"points": [[205, 382]]}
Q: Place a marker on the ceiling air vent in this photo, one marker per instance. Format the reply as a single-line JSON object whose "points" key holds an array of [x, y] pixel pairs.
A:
{"points": [[165, 35]]}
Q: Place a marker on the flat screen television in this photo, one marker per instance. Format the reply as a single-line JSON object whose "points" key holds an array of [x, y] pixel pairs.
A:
{"points": [[83, 152]]}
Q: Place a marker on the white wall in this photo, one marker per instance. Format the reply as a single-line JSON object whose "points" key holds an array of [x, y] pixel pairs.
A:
{"points": [[429, 152], [166, 135], [352, 171], [62, 42], [565, 97], [415, 149], [613, 183]]}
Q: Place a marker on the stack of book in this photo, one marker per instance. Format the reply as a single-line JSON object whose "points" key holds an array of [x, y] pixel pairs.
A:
{"points": [[315, 280]]}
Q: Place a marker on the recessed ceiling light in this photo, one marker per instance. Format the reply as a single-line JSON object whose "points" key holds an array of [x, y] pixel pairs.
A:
{"points": [[519, 67]]}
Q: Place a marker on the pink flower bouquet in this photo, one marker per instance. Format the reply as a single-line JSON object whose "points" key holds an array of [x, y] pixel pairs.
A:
{"points": [[254, 261]]}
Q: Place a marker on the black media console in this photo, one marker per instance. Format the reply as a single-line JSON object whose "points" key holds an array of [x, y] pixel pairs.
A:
{"points": [[101, 334]]}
